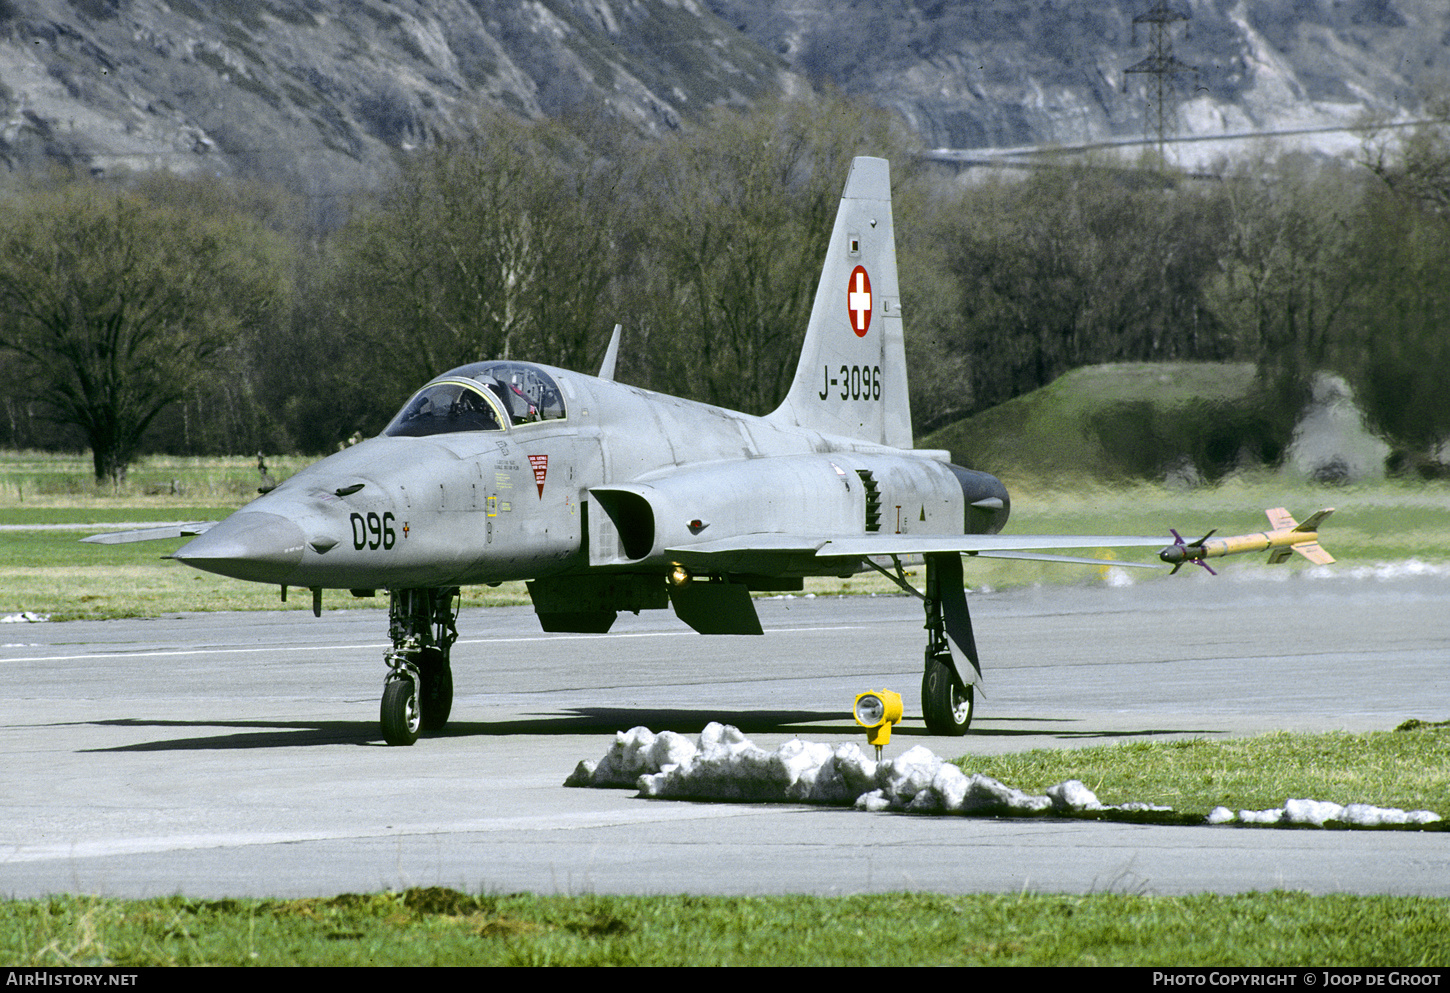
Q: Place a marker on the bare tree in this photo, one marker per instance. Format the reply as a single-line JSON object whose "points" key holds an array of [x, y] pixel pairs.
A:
{"points": [[117, 305], [1081, 265], [1415, 165], [740, 223], [500, 244], [1287, 266]]}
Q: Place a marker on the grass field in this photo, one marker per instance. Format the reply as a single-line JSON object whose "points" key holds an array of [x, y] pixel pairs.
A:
{"points": [[443, 927], [1404, 768]]}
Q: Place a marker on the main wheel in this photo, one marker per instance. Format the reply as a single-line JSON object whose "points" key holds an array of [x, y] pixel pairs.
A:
{"points": [[436, 691], [399, 712], [948, 710]]}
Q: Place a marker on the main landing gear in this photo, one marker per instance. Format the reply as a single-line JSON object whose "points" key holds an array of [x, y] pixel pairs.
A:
{"points": [[946, 698], [418, 690]]}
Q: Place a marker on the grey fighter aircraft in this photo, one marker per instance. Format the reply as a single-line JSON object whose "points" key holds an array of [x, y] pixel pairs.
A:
{"points": [[605, 497]]}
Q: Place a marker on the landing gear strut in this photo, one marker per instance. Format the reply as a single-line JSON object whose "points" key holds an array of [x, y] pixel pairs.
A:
{"points": [[418, 690], [946, 699]]}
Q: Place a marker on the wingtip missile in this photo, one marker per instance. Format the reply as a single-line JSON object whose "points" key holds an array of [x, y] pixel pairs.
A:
{"points": [[1181, 551], [1287, 536]]}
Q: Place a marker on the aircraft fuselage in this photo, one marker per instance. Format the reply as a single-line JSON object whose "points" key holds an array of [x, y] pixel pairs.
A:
{"points": [[621, 481]]}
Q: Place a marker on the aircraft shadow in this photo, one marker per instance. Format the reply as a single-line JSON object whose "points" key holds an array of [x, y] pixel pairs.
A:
{"points": [[611, 719], [293, 734], [579, 721], [251, 734]]}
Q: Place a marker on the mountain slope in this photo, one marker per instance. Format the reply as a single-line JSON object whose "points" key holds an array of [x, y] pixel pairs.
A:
{"points": [[993, 73], [322, 93]]}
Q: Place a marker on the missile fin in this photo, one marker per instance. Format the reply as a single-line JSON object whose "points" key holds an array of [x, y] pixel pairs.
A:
{"points": [[1280, 519], [1314, 552]]}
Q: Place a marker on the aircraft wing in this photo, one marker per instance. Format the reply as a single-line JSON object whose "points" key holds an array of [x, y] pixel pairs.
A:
{"points": [[188, 530], [737, 552], [991, 545]]}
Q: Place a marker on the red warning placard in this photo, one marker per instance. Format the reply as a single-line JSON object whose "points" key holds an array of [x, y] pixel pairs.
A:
{"points": [[541, 469]]}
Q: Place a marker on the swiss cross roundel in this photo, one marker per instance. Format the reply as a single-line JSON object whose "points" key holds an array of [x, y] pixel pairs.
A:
{"points": [[858, 301]]}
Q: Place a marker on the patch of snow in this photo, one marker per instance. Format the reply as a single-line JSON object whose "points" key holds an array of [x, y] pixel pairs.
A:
{"points": [[24, 617], [1318, 813], [723, 764]]}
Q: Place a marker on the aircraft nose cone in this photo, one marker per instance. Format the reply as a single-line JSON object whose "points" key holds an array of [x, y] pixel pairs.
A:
{"points": [[250, 545]]}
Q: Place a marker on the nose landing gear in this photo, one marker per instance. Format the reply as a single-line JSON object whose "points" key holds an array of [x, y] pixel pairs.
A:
{"points": [[418, 689]]}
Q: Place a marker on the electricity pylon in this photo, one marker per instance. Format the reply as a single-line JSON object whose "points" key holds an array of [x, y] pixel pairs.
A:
{"points": [[1161, 122]]}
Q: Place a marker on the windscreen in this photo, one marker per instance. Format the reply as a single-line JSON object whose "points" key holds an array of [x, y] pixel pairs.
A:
{"points": [[442, 408]]}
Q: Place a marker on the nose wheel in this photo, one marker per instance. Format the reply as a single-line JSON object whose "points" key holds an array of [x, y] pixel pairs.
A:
{"points": [[399, 715]]}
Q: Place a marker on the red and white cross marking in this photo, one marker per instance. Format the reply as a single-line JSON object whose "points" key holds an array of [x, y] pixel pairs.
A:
{"points": [[858, 301]]}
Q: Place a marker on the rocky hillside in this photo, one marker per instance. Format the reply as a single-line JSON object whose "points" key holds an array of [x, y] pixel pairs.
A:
{"points": [[994, 73], [321, 94]]}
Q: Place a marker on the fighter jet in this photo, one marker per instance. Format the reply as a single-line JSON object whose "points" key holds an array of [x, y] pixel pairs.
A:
{"points": [[605, 497]]}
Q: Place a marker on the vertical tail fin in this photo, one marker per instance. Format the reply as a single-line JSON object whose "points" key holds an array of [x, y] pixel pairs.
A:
{"points": [[851, 380]]}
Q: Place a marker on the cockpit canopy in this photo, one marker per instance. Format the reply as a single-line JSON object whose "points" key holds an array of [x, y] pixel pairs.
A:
{"points": [[484, 396]]}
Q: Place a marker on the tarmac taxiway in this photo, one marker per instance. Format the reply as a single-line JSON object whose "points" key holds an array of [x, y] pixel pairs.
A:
{"points": [[239, 754]]}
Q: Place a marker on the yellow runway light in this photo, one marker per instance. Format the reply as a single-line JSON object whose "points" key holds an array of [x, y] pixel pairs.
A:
{"points": [[877, 711]]}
